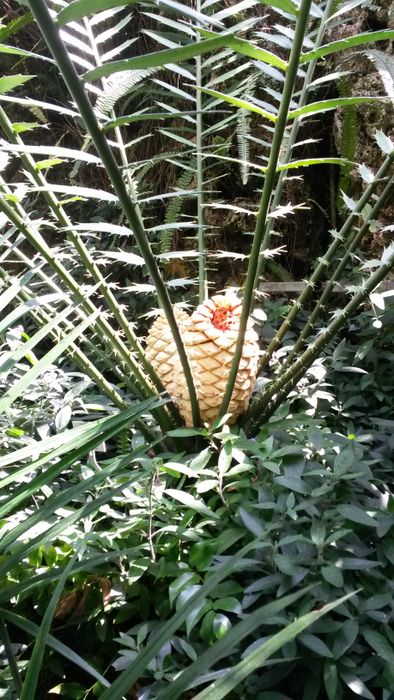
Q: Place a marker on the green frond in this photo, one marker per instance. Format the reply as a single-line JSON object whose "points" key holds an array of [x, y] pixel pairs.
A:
{"points": [[280, 272], [243, 126], [174, 208], [15, 25], [348, 140], [118, 86], [384, 64]]}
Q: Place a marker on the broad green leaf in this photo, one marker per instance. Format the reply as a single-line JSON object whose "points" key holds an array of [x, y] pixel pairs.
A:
{"points": [[235, 675], [81, 8], [356, 515], [311, 641], [285, 5], [333, 575], [22, 52], [237, 102], [356, 685], [357, 40], [164, 632], [251, 522], [345, 638], [380, 644], [55, 151], [9, 82], [158, 58], [331, 680], [326, 105], [190, 502]]}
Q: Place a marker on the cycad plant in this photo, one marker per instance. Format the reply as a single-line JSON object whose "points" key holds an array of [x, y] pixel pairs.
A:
{"points": [[198, 368]]}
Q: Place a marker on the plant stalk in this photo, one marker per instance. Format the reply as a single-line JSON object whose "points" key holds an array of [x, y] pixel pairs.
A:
{"points": [[202, 252], [89, 307], [51, 35], [78, 244], [10, 656], [277, 196], [320, 304], [324, 262], [280, 389], [260, 239]]}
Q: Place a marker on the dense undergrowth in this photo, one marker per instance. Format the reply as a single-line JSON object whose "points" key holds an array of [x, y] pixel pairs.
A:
{"points": [[313, 487]]}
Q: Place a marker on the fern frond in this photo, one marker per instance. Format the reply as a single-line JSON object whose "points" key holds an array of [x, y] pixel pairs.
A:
{"points": [[349, 139], [118, 86], [174, 208], [279, 271], [243, 127], [384, 64], [15, 25]]}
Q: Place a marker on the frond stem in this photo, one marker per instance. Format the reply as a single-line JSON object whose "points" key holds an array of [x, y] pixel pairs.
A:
{"points": [[36, 240], [336, 275], [269, 182], [202, 252], [64, 221], [277, 196], [72, 80], [323, 262], [280, 389]]}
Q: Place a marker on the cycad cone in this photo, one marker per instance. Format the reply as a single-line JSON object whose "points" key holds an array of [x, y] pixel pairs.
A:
{"points": [[209, 336]]}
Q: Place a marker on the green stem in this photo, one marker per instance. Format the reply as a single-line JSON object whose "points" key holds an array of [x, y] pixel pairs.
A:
{"points": [[325, 261], [19, 218], [202, 252], [320, 304], [36, 240], [10, 656], [294, 132], [78, 244], [65, 222], [260, 238], [279, 389], [51, 35]]}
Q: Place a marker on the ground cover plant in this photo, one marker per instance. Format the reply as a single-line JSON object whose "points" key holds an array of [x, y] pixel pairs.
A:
{"points": [[160, 538]]}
